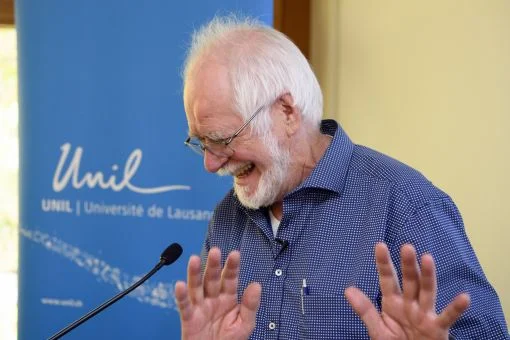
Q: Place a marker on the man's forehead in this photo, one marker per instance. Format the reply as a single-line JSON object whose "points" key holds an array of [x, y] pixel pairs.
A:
{"points": [[208, 73], [209, 99], [208, 86], [214, 120]]}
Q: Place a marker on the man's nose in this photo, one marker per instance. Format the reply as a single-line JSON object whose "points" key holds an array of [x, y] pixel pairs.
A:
{"points": [[213, 163]]}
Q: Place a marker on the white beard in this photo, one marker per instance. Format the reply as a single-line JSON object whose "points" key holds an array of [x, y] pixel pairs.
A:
{"points": [[270, 182]]}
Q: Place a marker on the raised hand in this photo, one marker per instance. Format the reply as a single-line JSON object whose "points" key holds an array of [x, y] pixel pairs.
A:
{"points": [[208, 306], [408, 313]]}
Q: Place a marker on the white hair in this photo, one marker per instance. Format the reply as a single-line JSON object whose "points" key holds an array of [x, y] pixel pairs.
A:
{"points": [[263, 64]]}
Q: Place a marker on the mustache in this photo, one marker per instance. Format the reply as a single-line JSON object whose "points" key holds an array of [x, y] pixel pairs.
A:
{"points": [[230, 169]]}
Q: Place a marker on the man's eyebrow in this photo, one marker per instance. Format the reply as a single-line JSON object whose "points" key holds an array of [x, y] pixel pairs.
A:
{"points": [[216, 136], [212, 136]]}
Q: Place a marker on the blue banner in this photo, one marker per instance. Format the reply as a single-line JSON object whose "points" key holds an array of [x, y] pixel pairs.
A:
{"points": [[106, 181]]}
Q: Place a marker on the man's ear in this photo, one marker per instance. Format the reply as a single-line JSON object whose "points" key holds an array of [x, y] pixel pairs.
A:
{"points": [[290, 114]]}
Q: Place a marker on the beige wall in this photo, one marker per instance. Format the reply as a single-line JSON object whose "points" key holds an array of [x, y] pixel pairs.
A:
{"points": [[428, 82]]}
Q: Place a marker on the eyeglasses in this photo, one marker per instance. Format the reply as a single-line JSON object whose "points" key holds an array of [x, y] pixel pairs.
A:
{"points": [[220, 147]]}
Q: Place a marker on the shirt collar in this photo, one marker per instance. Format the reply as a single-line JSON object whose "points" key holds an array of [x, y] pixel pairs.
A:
{"points": [[331, 171]]}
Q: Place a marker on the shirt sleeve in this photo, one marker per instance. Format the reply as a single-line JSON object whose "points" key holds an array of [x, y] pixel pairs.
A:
{"points": [[206, 246], [437, 228]]}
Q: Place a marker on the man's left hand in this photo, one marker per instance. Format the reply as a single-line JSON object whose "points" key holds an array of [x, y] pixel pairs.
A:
{"points": [[407, 313]]}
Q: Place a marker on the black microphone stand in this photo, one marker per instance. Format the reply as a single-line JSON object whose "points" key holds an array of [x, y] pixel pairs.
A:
{"points": [[168, 256]]}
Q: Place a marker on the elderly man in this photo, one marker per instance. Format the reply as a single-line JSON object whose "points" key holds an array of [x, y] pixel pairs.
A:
{"points": [[297, 232]]}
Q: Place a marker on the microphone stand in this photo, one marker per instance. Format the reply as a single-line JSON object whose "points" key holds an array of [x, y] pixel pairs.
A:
{"points": [[169, 256], [108, 303]]}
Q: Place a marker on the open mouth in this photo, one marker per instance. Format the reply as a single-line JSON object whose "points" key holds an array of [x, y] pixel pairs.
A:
{"points": [[244, 171]]}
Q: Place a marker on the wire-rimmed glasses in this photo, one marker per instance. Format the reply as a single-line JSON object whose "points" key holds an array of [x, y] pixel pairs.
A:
{"points": [[220, 147]]}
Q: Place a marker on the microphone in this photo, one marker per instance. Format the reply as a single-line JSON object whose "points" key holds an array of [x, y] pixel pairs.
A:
{"points": [[169, 256], [283, 243]]}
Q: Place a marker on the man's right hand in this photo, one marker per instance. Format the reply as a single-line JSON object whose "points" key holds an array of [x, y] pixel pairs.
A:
{"points": [[208, 306]]}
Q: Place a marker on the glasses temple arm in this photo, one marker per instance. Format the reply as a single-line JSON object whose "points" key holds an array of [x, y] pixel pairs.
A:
{"points": [[244, 126]]}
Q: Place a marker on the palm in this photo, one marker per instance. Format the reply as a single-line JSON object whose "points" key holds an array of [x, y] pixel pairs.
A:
{"points": [[209, 308], [407, 314], [212, 318], [400, 322]]}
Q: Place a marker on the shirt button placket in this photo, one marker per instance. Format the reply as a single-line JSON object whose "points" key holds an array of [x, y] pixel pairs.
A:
{"points": [[275, 290]]}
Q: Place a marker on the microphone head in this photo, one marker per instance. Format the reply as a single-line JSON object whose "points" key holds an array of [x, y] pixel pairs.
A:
{"points": [[171, 254]]}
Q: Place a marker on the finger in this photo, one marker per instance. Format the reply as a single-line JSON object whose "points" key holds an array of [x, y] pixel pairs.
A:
{"points": [[364, 308], [250, 303], [410, 273], [453, 311], [195, 288], [230, 274], [428, 283], [212, 275], [388, 279], [183, 301]]}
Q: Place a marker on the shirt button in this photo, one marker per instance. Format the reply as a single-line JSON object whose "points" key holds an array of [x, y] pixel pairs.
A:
{"points": [[278, 272], [272, 325]]}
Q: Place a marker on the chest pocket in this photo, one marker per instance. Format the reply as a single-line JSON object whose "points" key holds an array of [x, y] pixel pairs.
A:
{"points": [[328, 317]]}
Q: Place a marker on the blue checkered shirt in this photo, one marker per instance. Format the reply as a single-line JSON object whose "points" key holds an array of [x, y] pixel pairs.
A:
{"points": [[354, 198]]}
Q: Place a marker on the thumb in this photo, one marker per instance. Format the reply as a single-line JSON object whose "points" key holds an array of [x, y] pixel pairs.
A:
{"points": [[249, 306], [364, 308]]}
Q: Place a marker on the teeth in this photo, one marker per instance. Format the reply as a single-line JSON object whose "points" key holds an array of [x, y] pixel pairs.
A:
{"points": [[243, 170]]}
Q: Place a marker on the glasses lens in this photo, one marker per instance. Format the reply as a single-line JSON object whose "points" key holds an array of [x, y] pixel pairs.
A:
{"points": [[195, 145], [217, 149]]}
